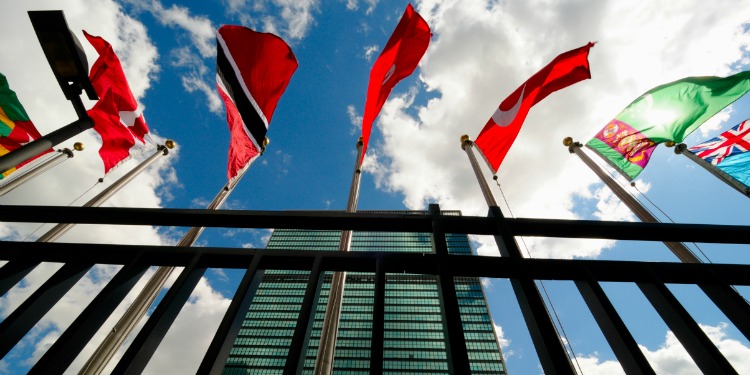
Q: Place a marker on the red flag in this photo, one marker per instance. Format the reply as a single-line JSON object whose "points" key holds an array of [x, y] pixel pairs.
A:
{"points": [[124, 120], [252, 71], [398, 60], [116, 139], [502, 128]]}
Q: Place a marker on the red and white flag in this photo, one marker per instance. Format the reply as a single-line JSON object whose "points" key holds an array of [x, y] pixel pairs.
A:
{"points": [[252, 71], [117, 118], [398, 60], [502, 128]]}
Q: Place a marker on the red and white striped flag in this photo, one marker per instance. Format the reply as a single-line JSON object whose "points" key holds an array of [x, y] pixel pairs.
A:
{"points": [[252, 71]]}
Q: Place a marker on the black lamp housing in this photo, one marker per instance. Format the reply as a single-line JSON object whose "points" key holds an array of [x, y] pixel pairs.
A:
{"points": [[64, 53]]}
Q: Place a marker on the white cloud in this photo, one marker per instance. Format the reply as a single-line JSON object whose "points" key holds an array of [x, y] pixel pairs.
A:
{"points": [[354, 118], [469, 70], [353, 5], [370, 51], [671, 358], [200, 29], [290, 19]]}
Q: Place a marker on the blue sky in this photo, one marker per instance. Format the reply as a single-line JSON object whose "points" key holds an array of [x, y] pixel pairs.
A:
{"points": [[480, 52]]}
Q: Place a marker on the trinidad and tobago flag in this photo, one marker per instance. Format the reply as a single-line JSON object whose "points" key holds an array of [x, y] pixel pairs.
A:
{"points": [[252, 72]]}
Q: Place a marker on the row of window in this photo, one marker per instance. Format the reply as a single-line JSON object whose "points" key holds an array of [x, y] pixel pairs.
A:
{"points": [[259, 351], [413, 317], [228, 370], [255, 332], [413, 326], [272, 315], [413, 335], [413, 354], [265, 341], [414, 365]]}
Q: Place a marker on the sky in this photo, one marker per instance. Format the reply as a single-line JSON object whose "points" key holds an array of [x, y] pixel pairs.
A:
{"points": [[479, 53]]}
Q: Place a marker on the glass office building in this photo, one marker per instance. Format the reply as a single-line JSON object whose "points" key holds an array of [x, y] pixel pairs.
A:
{"points": [[414, 332]]}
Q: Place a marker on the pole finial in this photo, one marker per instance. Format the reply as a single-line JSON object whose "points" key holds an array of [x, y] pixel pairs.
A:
{"points": [[669, 143], [465, 140], [567, 141], [78, 146], [170, 144], [360, 141]]}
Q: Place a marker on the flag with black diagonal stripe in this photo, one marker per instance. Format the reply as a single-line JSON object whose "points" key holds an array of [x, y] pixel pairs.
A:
{"points": [[252, 71]]}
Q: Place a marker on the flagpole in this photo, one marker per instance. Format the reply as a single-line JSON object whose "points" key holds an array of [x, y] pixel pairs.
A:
{"points": [[678, 248], [137, 310], [545, 338], [329, 330], [723, 176], [60, 229], [62, 155]]}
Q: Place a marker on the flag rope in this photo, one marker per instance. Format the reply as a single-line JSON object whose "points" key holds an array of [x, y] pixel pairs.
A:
{"points": [[69, 204], [632, 184], [694, 244], [541, 282], [606, 170]]}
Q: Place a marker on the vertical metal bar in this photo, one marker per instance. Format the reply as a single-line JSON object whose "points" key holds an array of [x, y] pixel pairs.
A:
{"points": [[217, 353], [13, 272], [62, 353], [108, 347], [458, 358], [295, 360], [691, 336], [731, 303], [617, 334], [378, 318], [551, 352], [22, 319], [148, 339]]}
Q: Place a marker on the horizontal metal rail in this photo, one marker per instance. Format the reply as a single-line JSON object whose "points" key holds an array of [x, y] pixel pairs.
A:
{"points": [[377, 222], [650, 277]]}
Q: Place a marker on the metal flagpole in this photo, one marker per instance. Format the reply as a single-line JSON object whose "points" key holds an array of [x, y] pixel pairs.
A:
{"points": [[552, 354], [730, 302], [329, 331], [137, 310], [729, 180], [62, 155], [60, 229], [678, 248]]}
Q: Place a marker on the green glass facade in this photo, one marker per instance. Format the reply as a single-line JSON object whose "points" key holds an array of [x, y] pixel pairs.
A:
{"points": [[414, 332]]}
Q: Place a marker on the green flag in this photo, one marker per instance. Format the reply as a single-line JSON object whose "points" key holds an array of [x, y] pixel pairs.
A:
{"points": [[16, 129], [665, 113]]}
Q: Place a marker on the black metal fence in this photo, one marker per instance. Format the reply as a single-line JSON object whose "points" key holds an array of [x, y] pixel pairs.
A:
{"points": [[716, 280]]}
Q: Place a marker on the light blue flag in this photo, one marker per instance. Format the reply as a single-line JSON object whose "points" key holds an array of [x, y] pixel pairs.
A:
{"points": [[729, 152], [738, 167]]}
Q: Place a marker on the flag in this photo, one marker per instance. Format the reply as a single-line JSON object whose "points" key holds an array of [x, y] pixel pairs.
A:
{"points": [[16, 129], [252, 71], [729, 152], [398, 60], [665, 113], [122, 120], [502, 128]]}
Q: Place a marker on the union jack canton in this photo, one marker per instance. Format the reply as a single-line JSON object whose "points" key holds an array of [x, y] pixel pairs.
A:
{"points": [[731, 142]]}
